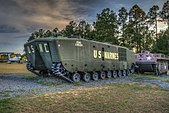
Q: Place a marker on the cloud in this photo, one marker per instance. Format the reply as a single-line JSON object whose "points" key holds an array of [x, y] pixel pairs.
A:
{"points": [[7, 29], [24, 14], [28, 15], [13, 42], [18, 18]]}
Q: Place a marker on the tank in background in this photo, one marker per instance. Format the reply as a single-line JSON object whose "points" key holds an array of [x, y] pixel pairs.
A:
{"points": [[152, 62]]}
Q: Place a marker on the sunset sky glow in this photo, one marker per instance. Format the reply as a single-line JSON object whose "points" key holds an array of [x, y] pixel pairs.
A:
{"points": [[19, 18]]}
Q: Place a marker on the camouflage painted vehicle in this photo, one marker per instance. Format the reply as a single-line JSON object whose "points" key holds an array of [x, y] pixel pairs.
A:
{"points": [[152, 62], [75, 59]]}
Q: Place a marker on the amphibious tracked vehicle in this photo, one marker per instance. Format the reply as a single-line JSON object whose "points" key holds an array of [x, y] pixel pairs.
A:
{"points": [[75, 59], [152, 62]]}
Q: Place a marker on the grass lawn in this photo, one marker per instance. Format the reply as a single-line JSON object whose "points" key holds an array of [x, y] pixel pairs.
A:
{"points": [[149, 76], [13, 68], [113, 98]]}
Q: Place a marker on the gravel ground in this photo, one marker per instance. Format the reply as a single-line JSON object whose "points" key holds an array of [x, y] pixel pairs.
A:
{"points": [[12, 85]]}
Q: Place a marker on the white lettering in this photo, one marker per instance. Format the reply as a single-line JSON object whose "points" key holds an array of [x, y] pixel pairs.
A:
{"points": [[46, 48], [78, 43], [29, 51], [40, 48], [32, 49]]}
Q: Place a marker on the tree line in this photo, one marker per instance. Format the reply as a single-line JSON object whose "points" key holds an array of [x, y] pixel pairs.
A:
{"points": [[134, 29]]}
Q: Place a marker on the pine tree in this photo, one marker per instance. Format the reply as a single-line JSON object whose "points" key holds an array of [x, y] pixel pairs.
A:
{"points": [[55, 32], [162, 44], [41, 33], [48, 33], [89, 32], [165, 12], [122, 22], [137, 19], [81, 28], [70, 30], [152, 16], [31, 37], [106, 26]]}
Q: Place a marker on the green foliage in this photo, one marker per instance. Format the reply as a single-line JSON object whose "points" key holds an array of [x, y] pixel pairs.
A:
{"points": [[152, 18], [70, 29], [32, 37], [123, 14], [147, 41], [137, 23], [81, 29], [84, 30], [106, 26], [48, 33], [122, 22], [89, 32], [130, 29], [41, 33], [162, 43], [152, 14], [44, 34], [165, 12], [136, 14], [55, 32]]}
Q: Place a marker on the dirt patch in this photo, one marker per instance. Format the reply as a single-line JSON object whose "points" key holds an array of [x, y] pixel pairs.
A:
{"points": [[13, 68]]}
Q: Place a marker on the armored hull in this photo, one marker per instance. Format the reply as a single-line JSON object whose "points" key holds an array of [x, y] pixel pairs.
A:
{"points": [[74, 59], [149, 62]]}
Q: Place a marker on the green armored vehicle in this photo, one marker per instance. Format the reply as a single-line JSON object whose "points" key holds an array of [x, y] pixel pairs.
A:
{"points": [[75, 59]]}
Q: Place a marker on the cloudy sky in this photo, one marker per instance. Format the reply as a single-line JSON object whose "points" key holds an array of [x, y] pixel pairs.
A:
{"points": [[18, 18]]}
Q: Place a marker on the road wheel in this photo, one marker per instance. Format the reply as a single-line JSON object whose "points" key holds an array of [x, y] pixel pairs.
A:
{"points": [[95, 76], [75, 77], [132, 70], [114, 74], [119, 73], [29, 66], [86, 77], [128, 72], [109, 74], [124, 73], [157, 71], [102, 75]]}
